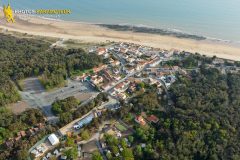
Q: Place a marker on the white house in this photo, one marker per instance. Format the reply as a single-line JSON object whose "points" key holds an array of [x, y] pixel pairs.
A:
{"points": [[53, 139], [155, 62]]}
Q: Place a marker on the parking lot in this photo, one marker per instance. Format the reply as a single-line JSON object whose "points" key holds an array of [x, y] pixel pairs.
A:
{"points": [[36, 96]]}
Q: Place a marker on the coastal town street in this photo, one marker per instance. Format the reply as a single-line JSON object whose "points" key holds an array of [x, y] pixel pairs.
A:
{"points": [[69, 127]]}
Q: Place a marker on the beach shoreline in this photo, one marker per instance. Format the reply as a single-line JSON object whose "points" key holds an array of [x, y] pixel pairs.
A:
{"points": [[89, 32], [146, 29]]}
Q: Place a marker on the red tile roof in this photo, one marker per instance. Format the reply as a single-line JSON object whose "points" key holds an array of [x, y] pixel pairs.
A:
{"points": [[23, 133], [101, 49], [140, 120], [153, 119]]}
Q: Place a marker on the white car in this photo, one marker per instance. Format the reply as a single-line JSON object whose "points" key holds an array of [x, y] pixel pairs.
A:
{"points": [[76, 127]]}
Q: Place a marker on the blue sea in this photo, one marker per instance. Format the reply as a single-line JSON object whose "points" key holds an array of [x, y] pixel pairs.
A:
{"points": [[218, 19]]}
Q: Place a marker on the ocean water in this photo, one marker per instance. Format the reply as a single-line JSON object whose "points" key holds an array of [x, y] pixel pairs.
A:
{"points": [[218, 19]]}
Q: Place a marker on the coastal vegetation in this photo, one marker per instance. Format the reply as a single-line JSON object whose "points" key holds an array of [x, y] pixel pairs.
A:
{"points": [[115, 145], [72, 151], [202, 123], [25, 57], [191, 61], [17, 134], [10, 124], [8, 91], [97, 156], [65, 105], [68, 109]]}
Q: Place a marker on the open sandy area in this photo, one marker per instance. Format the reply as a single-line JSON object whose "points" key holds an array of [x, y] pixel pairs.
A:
{"points": [[18, 107], [92, 33]]}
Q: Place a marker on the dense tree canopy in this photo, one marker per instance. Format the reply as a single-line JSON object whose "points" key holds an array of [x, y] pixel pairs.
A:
{"points": [[202, 123], [25, 57], [68, 110], [8, 91], [97, 156], [61, 106], [11, 125]]}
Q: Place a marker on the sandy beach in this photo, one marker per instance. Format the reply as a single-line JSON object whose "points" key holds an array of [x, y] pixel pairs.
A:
{"points": [[93, 33]]}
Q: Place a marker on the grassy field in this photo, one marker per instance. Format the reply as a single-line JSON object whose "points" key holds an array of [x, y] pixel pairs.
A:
{"points": [[84, 45], [29, 36], [120, 127]]}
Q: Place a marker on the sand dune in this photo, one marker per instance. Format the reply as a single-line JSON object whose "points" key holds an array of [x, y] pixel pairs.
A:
{"points": [[93, 33]]}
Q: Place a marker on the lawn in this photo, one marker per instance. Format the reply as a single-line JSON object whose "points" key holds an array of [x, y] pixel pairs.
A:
{"points": [[120, 127]]}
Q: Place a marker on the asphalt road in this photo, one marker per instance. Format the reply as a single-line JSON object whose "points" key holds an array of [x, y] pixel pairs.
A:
{"points": [[69, 126]]}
